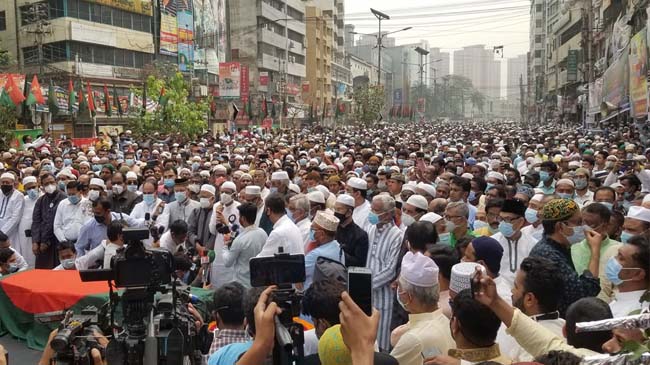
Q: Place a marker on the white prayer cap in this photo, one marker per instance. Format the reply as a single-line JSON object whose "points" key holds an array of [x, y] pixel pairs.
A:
{"points": [[566, 182], [419, 270], [131, 175], [229, 185], [67, 172], [295, 188], [497, 175], [220, 168], [639, 213], [574, 164], [98, 182], [8, 175], [326, 220], [280, 175], [345, 199], [461, 275], [431, 217], [418, 201], [616, 185], [537, 197], [208, 188], [253, 190], [29, 180], [323, 189], [357, 183], [204, 173], [316, 197], [244, 168], [408, 187], [467, 175], [428, 188]]}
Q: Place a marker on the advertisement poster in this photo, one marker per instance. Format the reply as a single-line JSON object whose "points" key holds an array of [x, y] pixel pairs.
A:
{"points": [[61, 98], [133, 6], [638, 60], [245, 87], [168, 28], [264, 78], [614, 85], [222, 30], [229, 79], [185, 21]]}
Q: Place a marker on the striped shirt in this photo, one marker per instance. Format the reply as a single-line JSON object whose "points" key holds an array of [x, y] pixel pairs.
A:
{"points": [[383, 254]]}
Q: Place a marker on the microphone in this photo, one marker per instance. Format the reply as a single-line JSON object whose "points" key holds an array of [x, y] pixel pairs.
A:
{"points": [[206, 261]]}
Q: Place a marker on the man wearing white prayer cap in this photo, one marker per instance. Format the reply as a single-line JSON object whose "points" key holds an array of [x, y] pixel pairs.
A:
{"points": [[461, 275], [225, 213], [637, 221], [316, 202], [427, 331], [415, 207], [358, 188], [253, 194], [322, 243], [352, 238], [23, 244], [11, 206], [280, 182]]}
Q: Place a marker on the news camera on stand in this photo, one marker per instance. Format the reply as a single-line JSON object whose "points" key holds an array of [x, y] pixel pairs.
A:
{"points": [[157, 326]]}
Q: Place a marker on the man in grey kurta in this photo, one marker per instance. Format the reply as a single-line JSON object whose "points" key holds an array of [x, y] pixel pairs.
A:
{"points": [[245, 246]]}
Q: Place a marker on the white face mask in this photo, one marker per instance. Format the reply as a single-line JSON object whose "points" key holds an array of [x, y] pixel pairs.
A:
{"points": [[93, 195], [118, 189], [195, 188], [226, 198], [50, 188], [205, 202], [407, 220]]}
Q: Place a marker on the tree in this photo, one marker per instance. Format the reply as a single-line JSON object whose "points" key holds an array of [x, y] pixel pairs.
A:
{"points": [[8, 120], [369, 101], [478, 101], [177, 115]]}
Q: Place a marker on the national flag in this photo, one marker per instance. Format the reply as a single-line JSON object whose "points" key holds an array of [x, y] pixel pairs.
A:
{"points": [[108, 108], [72, 96], [163, 99], [5, 100], [144, 98], [83, 102], [116, 101], [91, 99], [35, 95], [13, 91], [265, 111], [249, 109], [52, 101]]}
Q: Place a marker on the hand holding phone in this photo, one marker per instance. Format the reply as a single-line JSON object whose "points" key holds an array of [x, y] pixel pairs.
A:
{"points": [[360, 287]]}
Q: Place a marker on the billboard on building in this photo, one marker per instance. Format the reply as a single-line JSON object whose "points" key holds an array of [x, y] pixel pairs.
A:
{"points": [[638, 60], [245, 87], [168, 28], [133, 6], [229, 79], [185, 21], [222, 34], [615, 80]]}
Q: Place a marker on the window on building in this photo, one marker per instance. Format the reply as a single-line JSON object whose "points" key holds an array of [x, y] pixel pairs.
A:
{"points": [[538, 23], [571, 32], [106, 17], [538, 53], [538, 39], [538, 8], [3, 20], [73, 9], [298, 15], [96, 13], [84, 10], [56, 8]]}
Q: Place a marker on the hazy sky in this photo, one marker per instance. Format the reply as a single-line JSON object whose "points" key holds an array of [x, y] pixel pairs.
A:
{"points": [[450, 24]]}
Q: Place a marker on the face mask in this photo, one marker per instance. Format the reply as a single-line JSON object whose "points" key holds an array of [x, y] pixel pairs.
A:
{"points": [[373, 218], [273, 190], [169, 183], [129, 162], [47, 168], [205, 202], [148, 198], [531, 215], [577, 235], [544, 176], [32, 194], [97, 167], [565, 195], [381, 185], [613, 270], [451, 226], [628, 196], [609, 205], [580, 183], [195, 166], [471, 196], [195, 188], [488, 186], [61, 185], [180, 196], [445, 239], [67, 162], [480, 224], [312, 235], [118, 189], [13, 267], [93, 195], [400, 161], [74, 199], [100, 219], [407, 220], [225, 198], [132, 188], [50, 188], [341, 217], [6, 189], [506, 229], [68, 264], [625, 236], [373, 168], [542, 151]]}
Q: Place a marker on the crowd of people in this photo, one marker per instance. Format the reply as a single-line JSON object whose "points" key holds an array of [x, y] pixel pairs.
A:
{"points": [[552, 224]]}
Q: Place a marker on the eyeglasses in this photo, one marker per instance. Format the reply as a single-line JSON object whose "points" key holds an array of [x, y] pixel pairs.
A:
{"points": [[451, 217]]}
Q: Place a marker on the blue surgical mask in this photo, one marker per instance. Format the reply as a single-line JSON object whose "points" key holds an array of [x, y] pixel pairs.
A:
{"points": [[544, 176], [577, 235], [400, 161], [97, 167], [132, 188], [67, 161], [273, 189], [580, 183], [531, 215], [609, 205], [180, 196], [169, 183], [312, 235], [613, 270], [148, 198], [373, 218], [195, 166], [565, 195], [625, 236], [445, 239], [46, 167], [480, 224], [506, 229], [62, 186], [32, 194], [68, 264], [74, 199], [472, 195], [488, 186], [451, 226]]}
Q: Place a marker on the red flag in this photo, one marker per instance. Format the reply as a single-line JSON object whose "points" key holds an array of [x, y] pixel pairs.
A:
{"points": [[91, 98], [13, 91], [36, 90], [264, 108]]}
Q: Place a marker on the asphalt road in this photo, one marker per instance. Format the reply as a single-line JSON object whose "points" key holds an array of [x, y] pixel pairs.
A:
{"points": [[19, 353]]}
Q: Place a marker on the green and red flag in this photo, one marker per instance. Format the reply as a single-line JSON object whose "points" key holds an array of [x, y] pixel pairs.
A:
{"points": [[83, 102], [72, 96], [265, 111], [35, 95], [117, 103], [13, 91], [163, 98], [52, 101], [91, 99]]}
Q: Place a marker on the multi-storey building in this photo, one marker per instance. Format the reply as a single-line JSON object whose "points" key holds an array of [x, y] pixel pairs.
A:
{"points": [[479, 65]]}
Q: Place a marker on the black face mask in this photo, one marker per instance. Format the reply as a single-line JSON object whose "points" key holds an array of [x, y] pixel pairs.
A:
{"points": [[6, 189], [100, 219], [340, 216]]}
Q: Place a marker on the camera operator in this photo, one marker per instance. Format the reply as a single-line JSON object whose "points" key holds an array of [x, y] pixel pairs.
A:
{"points": [[95, 354], [229, 314], [174, 239]]}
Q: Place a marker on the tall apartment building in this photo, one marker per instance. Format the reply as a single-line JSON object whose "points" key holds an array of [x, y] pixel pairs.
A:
{"points": [[517, 68], [319, 59], [269, 37], [439, 63], [479, 65], [537, 57]]}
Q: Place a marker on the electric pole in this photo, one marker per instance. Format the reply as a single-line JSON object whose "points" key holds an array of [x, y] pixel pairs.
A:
{"points": [[38, 14], [522, 108]]}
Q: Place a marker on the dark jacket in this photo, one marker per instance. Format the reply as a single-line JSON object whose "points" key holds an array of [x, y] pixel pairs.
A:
{"points": [[354, 242], [43, 228], [124, 203]]}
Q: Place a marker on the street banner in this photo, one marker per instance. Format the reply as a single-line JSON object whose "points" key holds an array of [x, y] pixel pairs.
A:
{"points": [[185, 21], [595, 96], [638, 60], [615, 81], [168, 28], [245, 86], [17, 141], [264, 78], [132, 6], [229, 79]]}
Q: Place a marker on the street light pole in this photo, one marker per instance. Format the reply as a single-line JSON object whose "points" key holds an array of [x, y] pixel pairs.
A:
{"points": [[380, 16]]}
